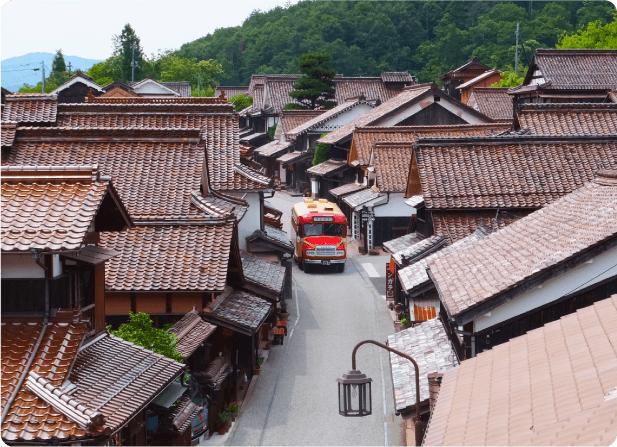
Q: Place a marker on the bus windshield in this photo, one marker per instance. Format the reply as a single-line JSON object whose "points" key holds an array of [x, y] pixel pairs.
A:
{"points": [[327, 229]]}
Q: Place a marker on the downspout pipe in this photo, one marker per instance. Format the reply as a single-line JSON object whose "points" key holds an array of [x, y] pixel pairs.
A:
{"points": [[37, 258]]}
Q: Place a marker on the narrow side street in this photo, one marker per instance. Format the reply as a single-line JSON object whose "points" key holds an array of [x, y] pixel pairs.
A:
{"points": [[295, 400]]}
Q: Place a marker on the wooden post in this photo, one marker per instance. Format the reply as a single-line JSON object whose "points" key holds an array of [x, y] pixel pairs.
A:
{"points": [[99, 297]]}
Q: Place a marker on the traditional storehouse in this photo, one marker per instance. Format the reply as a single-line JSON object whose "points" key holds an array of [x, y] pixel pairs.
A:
{"points": [[496, 103], [552, 386], [567, 76], [76, 89], [486, 79], [454, 78]]}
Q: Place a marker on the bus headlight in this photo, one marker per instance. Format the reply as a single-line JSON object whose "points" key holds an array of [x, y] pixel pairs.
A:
{"points": [[340, 252], [310, 252]]}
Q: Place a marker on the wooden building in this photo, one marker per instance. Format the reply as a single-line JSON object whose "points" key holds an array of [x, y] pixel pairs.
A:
{"points": [[76, 89], [468, 71], [486, 79]]}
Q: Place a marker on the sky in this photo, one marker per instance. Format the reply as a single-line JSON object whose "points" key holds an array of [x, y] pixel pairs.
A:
{"points": [[85, 27]]}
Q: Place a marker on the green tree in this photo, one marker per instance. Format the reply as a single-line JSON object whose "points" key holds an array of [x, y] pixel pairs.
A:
{"points": [[241, 102], [58, 65], [140, 331], [316, 87], [322, 152], [174, 69], [595, 37], [107, 71], [509, 79], [123, 47]]}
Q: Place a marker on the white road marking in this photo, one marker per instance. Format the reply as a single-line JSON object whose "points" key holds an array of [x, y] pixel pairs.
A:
{"points": [[372, 272]]}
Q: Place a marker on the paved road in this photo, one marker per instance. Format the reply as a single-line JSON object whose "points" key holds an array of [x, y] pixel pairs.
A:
{"points": [[295, 400]]}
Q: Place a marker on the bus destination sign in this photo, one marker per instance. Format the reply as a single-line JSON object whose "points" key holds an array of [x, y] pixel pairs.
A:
{"points": [[323, 219]]}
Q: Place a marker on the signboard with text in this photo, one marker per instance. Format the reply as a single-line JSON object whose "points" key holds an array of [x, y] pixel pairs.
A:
{"points": [[390, 279]]}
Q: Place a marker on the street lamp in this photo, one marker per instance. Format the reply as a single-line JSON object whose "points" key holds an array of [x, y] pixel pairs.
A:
{"points": [[354, 389]]}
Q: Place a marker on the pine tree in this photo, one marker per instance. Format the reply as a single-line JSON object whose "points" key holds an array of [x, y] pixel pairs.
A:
{"points": [[123, 44], [316, 87], [58, 65]]}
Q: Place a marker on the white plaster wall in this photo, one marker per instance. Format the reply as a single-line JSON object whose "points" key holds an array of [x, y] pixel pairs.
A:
{"points": [[152, 89], [20, 266], [343, 118], [583, 276], [251, 220], [443, 102], [395, 207]]}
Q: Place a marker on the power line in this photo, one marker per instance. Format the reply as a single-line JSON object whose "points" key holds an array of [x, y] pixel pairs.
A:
{"points": [[25, 69]]}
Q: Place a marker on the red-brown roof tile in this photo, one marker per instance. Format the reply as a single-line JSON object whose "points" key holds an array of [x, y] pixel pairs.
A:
{"points": [[568, 119], [240, 310], [169, 257], [191, 332], [495, 103], [290, 119], [29, 109], [8, 133], [512, 172], [391, 163], [504, 260], [456, 225], [364, 138], [261, 276], [50, 208], [551, 386]]}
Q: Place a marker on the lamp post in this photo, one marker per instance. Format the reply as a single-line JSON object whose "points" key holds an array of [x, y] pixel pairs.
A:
{"points": [[354, 389]]}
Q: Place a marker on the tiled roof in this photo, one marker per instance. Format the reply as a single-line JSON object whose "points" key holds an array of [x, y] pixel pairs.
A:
{"points": [[419, 250], [29, 109], [165, 257], [141, 112], [118, 92], [568, 119], [184, 87], [533, 245], [551, 386], [219, 205], [321, 119], [364, 138], [292, 157], [415, 201], [183, 414], [231, 91], [428, 344], [118, 378], [80, 77], [478, 78], [8, 133], [191, 332], [415, 275], [495, 103], [50, 208], [374, 116], [349, 188], [465, 67], [91, 99], [456, 225], [328, 167], [391, 163], [30, 418], [290, 119], [241, 309], [273, 149], [398, 76], [401, 243], [277, 235], [574, 69], [358, 198], [246, 177], [517, 172], [262, 274]]}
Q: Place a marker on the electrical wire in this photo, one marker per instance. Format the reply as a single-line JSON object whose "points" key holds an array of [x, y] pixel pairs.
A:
{"points": [[25, 69]]}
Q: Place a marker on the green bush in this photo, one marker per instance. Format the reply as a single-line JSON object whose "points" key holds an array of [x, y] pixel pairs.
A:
{"points": [[271, 131], [322, 152]]}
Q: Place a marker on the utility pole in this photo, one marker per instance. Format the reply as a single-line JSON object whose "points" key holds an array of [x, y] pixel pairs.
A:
{"points": [[516, 60], [133, 63], [199, 79], [69, 69], [43, 67]]}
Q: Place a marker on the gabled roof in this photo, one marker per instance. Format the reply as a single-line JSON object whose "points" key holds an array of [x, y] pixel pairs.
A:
{"points": [[323, 118], [51, 208], [169, 257], [163, 89], [328, 167], [398, 76], [79, 77], [364, 138], [274, 236], [290, 119], [413, 253], [471, 64], [182, 87], [349, 188], [391, 161], [508, 172], [428, 344], [552, 386], [29, 109], [486, 74], [409, 97], [493, 102], [219, 205], [273, 149], [239, 311], [361, 197], [567, 119], [191, 331], [118, 84], [581, 220]]}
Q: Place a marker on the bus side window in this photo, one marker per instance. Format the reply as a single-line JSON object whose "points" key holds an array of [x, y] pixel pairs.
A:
{"points": [[344, 230]]}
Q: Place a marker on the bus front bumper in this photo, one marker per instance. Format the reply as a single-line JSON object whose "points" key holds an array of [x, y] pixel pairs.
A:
{"points": [[320, 261]]}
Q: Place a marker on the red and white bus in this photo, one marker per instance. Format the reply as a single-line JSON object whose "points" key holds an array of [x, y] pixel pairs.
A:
{"points": [[320, 233]]}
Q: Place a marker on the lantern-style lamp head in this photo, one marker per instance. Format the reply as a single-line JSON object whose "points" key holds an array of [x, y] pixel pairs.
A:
{"points": [[354, 394]]}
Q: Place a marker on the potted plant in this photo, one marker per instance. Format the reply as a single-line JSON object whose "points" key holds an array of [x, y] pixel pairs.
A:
{"points": [[224, 416], [233, 410], [283, 314], [405, 321], [257, 368]]}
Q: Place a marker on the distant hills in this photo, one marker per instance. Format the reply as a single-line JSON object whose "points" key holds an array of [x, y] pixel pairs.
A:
{"points": [[19, 70]]}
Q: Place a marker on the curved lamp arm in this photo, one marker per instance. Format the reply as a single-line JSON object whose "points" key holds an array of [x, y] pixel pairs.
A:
{"points": [[418, 423]]}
